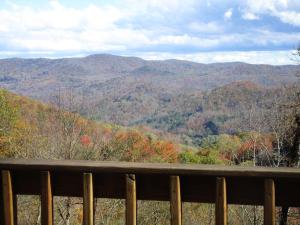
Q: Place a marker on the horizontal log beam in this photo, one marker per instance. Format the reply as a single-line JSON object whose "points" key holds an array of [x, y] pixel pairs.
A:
{"points": [[198, 183], [148, 168]]}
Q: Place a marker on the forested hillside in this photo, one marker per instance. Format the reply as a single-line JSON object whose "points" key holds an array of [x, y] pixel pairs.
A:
{"points": [[193, 115], [30, 129], [101, 75], [228, 125]]}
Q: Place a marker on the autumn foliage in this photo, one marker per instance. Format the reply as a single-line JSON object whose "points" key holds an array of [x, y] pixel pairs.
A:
{"points": [[27, 125]]}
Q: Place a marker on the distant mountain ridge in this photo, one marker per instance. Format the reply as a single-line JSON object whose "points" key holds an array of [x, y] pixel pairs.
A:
{"points": [[39, 78], [190, 100]]}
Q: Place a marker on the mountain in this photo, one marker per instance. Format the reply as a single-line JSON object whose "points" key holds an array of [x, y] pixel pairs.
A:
{"points": [[98, 74], [187, 99]]}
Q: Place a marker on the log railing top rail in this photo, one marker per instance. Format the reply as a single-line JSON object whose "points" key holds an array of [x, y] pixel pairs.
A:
{"points": [[149, 168], [220, 185]]}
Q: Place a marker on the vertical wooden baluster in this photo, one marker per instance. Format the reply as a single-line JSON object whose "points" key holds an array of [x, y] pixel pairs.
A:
{"points": [[269, 204], [46, 199], [1, 202], [7, 198], [131, 199], [175, 201], [88, 199], [221, 201]]}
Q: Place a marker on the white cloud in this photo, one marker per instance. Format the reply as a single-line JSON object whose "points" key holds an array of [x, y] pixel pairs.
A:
{"points": [[160, 5], [289, 17], [139, 26], [194, 41], [210, 27], [254, 57], [58, 17], [282, 9], [228, 13], [95, 28], [250, 16], [60, 28]]}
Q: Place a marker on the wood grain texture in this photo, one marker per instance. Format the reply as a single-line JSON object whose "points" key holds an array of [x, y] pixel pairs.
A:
{"points": [[88, 199], [8, 198], [148, 168], [175, 201], [245, 185], [131, 207], [221, 201], [1, 202], [46, 199], [269, 205]]}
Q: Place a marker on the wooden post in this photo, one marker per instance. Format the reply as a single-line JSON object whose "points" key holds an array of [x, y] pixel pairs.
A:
{"points": [[1, 202], [269, 204], [221, 201], [175, 202], [7, 198], [88, 199], [131, 209], [46, 199]]}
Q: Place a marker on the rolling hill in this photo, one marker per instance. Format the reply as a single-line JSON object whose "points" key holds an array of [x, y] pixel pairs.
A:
{"points": [[31, 129], [97, 74], [184, 98]]}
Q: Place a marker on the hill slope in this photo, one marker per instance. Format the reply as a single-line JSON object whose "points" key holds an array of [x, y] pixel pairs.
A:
{"points": [[30, 129], [95, 74]]}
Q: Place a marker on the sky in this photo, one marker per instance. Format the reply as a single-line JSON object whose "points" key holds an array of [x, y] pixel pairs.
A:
{"points": [[206, 31]]}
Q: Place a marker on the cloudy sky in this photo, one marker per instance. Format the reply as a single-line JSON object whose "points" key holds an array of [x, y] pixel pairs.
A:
{"points": [[254, 31]]}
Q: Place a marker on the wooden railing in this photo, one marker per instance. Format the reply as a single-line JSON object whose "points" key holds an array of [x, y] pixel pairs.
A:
{"points": [[176, 183]]}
